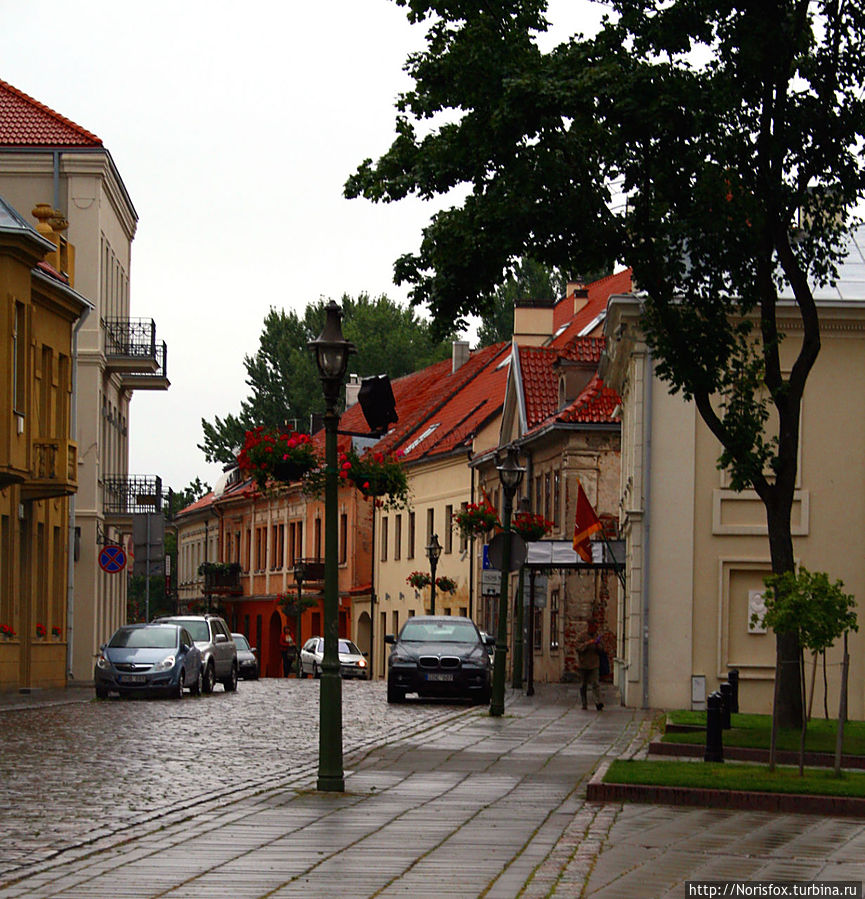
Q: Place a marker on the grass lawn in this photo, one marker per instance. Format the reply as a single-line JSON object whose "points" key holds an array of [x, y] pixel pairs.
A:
{"points": [[731, 776], [753, 731]]}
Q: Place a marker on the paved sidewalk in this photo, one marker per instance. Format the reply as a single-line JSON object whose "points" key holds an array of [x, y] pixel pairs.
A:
{"points": [[469, 806]]}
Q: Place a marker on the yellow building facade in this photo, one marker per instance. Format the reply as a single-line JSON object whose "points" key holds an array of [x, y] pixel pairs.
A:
{"points": [[39, 312]]}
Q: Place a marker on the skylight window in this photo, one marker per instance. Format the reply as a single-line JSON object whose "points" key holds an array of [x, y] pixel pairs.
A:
{"points": [[419, 440], [593, 324]]}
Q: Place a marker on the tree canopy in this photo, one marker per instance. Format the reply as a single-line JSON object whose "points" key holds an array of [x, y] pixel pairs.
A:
{"points": [[715, 149], [283, 380]]}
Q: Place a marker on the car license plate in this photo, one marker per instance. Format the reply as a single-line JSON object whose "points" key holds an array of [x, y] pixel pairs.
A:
{"points": [[133, 679], [433, 675]]}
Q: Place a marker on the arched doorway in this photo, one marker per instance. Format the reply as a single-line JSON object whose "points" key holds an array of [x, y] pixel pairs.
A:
{"points": [[274, 656]]}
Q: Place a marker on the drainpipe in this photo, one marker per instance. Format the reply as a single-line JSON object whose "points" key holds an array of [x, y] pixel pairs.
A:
{"points": [[70, 562], [647, 513], [471, 546], [55, 156]]}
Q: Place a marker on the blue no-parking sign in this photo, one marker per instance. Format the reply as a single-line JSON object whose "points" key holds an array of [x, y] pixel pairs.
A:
{"points": [[112, 558]]}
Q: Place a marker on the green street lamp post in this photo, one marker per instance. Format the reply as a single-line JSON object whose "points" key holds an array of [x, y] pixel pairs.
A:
{"points": [[518, 620], [331, 355], [433, 551], [510, 474]]}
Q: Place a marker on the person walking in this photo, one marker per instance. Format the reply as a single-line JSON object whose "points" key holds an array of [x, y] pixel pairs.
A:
{"points": [[287, 649], [589, 663]]}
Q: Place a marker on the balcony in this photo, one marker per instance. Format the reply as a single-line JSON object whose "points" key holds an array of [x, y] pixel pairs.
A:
{"points": [[132, 351], [221, 578], [53, 469], [126, 495]]}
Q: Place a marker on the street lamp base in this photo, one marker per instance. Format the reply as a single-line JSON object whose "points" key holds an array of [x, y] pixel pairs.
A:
{"points": [[330, 783]]}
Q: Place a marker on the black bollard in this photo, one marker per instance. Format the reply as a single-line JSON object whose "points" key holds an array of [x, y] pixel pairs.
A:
{"points": [[714, 742], [726, 693], [733, 678]]}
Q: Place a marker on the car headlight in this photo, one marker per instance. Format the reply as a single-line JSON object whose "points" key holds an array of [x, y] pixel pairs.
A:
{"points": [[361, 663], [102, 662], [166, 664]]}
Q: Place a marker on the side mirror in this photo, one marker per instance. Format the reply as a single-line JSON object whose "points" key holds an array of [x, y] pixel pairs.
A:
{"points": [[490, 640], [221, 638], [389, 638]]}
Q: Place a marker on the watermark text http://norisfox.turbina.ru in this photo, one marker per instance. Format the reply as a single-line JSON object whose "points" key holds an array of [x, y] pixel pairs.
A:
{"points": [[850, 889]]}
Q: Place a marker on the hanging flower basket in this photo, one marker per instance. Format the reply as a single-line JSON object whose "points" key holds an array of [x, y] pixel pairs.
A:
{"points": [[55, 632], [378, 476], [281, 456], [6, 632], [531, 526], [419, 580], [41, 631], [446, 584], [476, 519]]}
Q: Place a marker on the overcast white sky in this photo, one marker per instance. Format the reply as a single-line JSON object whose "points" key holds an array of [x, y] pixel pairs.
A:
{"points": [[234, 126]]}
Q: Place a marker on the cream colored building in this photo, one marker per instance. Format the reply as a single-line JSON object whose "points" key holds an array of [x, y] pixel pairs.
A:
{"points": [[448, 413], [697, 551], [46, 159]]}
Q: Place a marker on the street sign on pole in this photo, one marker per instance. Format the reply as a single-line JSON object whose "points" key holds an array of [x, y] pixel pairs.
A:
{"points": [[517, 553], [112, 558]]}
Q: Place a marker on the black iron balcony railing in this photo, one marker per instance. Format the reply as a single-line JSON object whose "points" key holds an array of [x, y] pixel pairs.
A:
{"points": [[131, 494], [132, 349], [221, 577]]}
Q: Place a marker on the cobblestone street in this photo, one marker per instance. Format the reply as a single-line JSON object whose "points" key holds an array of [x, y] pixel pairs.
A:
{"points": [[77, 772]]}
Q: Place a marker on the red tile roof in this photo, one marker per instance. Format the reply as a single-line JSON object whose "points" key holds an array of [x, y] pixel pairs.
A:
{"points": [[595, 405], [600, 292], [440, 410], [25, 122], [540, 379]]}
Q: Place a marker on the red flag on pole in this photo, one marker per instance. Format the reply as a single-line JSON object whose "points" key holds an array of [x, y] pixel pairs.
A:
{"points": [[586, 523]]}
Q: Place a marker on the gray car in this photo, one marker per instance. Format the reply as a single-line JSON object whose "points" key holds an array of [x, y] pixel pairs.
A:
{"points": [[217, 647], [247, 661], [148, 658]]}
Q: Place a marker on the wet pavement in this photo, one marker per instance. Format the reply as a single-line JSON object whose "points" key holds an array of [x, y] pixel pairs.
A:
{"points": [[216, 797]]}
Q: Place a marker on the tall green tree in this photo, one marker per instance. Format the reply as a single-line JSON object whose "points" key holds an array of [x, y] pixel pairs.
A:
{"points": [[735, 132], [282, 377], [529, 280]]}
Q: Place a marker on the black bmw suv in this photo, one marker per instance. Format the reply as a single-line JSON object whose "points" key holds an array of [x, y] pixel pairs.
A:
{"points": [[439, 656]]}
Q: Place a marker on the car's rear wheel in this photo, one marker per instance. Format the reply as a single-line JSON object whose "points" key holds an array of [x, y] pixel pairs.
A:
{"points": [[394, 694], [209, 678], [230, 683], [315, 671], [195, 689], [177, 691]]}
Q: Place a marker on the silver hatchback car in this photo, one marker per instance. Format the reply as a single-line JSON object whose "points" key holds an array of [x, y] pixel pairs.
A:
{"points": [[352, 662]]}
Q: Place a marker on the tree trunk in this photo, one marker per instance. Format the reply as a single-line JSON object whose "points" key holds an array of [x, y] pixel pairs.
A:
{"points": [[788, 711]]}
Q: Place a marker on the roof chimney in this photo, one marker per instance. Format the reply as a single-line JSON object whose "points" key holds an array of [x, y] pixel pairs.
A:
{"points": [[533, 322], [460, 354], [580, 293], [352, 389]]}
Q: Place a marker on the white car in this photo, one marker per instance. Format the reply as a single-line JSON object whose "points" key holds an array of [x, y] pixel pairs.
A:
{"points": [[352, 662]]}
